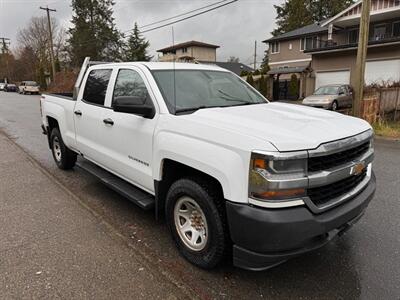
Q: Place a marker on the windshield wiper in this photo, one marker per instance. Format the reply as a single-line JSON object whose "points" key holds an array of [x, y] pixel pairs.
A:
{"points": [[230, 97], [193, 109]]}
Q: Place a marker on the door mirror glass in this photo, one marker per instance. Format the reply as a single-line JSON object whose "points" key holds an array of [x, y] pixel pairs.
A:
{"points": [[134, 105]]}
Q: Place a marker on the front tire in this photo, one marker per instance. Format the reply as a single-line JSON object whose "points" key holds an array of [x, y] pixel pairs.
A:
{"points": [[64, 157], [196, 219], [334, 106]]}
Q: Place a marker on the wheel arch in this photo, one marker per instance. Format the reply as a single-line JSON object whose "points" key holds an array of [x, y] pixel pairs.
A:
{"points": [[172, 170]]}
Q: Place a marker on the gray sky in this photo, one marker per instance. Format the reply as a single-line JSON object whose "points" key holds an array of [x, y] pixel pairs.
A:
{"points": [[234, 27]]}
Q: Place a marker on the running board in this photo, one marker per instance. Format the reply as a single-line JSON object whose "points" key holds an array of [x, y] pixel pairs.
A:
{"points": [[122, 187]]}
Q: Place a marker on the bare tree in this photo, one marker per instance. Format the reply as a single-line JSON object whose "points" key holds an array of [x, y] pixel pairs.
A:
{"points": [[34, 38], [233, 59]]}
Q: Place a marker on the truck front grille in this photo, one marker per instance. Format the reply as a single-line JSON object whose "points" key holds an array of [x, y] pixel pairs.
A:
{"points": [[321, 163], [324, 194]]}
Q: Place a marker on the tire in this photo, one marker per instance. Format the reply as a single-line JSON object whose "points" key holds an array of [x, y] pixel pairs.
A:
{"points": [[64, 157], [206, 209], [334, 106]]}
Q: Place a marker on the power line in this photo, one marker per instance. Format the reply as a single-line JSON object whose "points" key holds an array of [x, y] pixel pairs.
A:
{"points": [[189, 17], [177, 21], [182, 14]]}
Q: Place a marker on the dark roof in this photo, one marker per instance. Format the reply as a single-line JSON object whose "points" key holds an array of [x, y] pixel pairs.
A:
{"points": [[306, 30], [234, 67], [288, 70], [187, 44]]}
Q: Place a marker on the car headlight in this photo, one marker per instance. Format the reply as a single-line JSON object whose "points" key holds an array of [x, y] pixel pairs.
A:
{"points": [[270, 177]]}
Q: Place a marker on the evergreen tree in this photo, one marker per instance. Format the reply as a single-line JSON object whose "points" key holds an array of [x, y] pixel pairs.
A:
{"points": [[264, 65], [294, 86], [94, 32], [250, 79], [293, 14], [136, 47]]}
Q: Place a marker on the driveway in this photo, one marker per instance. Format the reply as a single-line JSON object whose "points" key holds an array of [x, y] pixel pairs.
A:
{"points": [[364, 263]]}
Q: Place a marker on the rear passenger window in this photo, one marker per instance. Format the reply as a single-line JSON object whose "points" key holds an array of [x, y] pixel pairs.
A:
{"points": [[96, 86]]}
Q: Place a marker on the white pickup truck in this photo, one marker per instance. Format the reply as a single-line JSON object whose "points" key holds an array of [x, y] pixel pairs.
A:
{"points": [[234, 175]]}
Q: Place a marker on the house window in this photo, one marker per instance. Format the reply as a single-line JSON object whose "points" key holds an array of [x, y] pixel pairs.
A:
{"points": [[309, 42], [379, 32], [184, 50], [275, 47], [396, 29], [353, 36]]}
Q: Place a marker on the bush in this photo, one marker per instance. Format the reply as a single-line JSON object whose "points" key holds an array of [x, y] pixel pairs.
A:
{"points": [[64, 82]]}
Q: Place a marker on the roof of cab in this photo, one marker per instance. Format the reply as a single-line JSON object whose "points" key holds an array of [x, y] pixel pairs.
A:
{"points": [[166, 66]]}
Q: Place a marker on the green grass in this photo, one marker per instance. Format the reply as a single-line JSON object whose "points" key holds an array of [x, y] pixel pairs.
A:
{"points": [[387, 129]]}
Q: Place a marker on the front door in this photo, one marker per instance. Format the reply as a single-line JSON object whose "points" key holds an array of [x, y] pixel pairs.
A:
{"points": [[129, 138], [89, 114]]}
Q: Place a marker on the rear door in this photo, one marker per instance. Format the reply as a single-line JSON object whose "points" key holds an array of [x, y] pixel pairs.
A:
{"points": [[129, 138], [89, 114]]}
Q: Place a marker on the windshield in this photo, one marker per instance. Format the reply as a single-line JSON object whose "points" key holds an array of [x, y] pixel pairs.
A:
{"points": [[196, 89], [31, 83], [327, 90]]}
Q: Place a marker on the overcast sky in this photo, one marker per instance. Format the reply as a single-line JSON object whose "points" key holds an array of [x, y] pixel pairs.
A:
{"points": [[234, 27]]}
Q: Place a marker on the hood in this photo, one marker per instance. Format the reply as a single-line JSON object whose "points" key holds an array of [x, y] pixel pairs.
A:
{"points": [[317, 98], [288, 127]]}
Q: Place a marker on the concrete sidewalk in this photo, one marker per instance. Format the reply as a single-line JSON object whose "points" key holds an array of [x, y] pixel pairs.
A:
{"points": [[53, 247]]}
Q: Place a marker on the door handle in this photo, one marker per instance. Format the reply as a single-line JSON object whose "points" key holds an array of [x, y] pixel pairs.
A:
{"points": [[78, 113], [108, 121]]}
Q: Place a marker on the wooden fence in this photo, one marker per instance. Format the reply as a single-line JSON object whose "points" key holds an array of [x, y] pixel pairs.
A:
{"points": [[383, 103]]}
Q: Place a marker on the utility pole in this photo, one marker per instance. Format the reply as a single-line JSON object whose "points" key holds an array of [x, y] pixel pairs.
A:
{"points": [[53, 65], [361, 58], [5, 43], [255, 55]]}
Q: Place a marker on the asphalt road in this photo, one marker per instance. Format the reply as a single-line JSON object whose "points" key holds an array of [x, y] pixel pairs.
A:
{"points": [[362, 264]]}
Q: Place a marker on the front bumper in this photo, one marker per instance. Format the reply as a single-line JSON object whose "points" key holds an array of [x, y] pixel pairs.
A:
{"points": [[264, 238], [323, 105]]}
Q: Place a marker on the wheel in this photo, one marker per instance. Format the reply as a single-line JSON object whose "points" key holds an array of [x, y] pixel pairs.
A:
{"points": [[334, 106], [196, 219], [64, 157]]}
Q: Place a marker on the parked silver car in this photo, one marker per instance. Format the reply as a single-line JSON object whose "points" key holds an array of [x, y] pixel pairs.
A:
{"points": [[332, 97]]}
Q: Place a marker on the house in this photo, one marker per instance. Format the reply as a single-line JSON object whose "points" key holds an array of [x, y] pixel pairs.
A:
{"points": [[325, 53], [334, 55], [287, 57], [199, 52], [189, 52]]}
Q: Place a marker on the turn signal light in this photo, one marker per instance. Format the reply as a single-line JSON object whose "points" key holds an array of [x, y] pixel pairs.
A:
{"points": [[280, 194]]}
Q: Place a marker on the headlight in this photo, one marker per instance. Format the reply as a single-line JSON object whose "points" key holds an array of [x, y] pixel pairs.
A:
{"points": [[277, 178]]}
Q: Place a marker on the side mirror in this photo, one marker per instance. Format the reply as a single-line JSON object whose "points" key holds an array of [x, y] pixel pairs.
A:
{"points": [[134, 105], [341, 93]]}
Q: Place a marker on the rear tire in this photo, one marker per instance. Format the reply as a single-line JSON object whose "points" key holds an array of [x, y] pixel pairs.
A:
{"points": [[196, 218], [64, 157]]}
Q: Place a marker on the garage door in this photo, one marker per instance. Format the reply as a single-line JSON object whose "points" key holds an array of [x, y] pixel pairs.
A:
{"points": [[382, 71], [336, 77]]}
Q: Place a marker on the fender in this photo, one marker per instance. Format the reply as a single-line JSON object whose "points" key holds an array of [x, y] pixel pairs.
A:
{"points": [[64, 117], [223, 164]]}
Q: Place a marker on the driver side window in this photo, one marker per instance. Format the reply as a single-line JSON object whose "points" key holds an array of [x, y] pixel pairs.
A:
{"points": [[129, 84]]}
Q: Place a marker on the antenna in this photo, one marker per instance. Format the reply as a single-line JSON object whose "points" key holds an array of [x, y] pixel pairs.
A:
{"points": [[173, 64]]}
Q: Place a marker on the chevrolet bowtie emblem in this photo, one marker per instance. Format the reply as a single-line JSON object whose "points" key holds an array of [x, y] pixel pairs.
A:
{"points": [[357, 169]]}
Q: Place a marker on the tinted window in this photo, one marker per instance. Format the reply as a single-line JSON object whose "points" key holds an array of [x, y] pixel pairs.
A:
{"points": [[129, 84], [96, 86]]}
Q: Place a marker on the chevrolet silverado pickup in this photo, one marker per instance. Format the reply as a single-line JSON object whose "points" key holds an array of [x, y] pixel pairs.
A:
{"points": [[233, 175]]}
